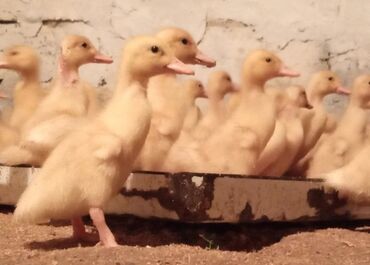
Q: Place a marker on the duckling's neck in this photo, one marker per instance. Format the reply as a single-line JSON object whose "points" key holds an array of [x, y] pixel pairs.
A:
{"points": [[214, 100], [315, 99], [127, 114], [252, 86], [358, 101], [354, 120], [127, 79], [30, 77], [67, 73]]}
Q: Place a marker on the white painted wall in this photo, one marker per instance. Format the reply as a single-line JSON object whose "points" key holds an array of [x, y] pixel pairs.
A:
{"points": [[308, 35]]}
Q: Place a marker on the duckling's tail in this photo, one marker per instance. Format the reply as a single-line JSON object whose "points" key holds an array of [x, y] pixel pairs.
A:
{"points": [[336, 179], [29, 208]]}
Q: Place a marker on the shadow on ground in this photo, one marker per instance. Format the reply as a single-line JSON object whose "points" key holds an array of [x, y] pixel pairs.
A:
{"points": [[133, 231]]}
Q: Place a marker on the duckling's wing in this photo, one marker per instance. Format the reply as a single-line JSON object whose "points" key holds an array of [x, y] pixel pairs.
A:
{"points": [[108, 146], [50, 132]]}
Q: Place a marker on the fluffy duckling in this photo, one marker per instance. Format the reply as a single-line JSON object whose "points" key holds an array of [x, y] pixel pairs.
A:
{"points": [[352, 180], [69, 100], [316, 121], [81, 176], [167, 104], [236, 145], [233, 101], [246, 134], [338, 148], [194, 89], [289, 116], [28, 92], [219, 84]]}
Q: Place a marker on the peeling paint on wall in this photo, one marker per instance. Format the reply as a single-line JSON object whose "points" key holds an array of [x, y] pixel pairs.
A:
{"points": [[308, 35]]}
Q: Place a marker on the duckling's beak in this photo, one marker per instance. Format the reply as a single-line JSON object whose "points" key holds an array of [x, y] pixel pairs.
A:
{"points": [[343, 90], [3, 63], [201, 58], [235, 87], [285, 71], [100, 58], [3, 95], [179, 67]]}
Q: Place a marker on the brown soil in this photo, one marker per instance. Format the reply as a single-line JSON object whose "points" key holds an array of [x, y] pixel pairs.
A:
{"points": [[161, 242]]}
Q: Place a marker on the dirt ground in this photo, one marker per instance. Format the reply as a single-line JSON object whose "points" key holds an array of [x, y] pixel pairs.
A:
{"points": [[162, 242]]}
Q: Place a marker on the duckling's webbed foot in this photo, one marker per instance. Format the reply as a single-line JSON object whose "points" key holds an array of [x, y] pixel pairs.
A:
{"points": [[106, 237]]}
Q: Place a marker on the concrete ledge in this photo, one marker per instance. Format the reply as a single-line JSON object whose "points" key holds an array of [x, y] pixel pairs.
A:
{"points": [[200, 198]]}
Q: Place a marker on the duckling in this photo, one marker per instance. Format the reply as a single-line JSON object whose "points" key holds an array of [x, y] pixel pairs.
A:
{"points": [[219, 84], [236, 145], [28, 92], [341, 146], [166, 102], [293, 134], [8, 135], [69, 100], [81, 176], [233, 101], [194, 89], [316, 121], [352, 180]]}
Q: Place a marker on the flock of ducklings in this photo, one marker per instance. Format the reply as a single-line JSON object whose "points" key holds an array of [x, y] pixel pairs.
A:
{"points": [[151, 122]]}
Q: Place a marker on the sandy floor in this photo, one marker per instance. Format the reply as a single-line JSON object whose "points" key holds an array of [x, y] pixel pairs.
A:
{"points": [[159, 242]]}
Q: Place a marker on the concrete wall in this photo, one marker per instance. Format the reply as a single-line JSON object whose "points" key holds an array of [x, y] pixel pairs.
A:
{"points": [[308, 35]]}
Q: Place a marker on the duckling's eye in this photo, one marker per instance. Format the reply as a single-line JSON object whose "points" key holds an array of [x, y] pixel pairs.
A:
{"points": [[228, 78], [185, 41], [200, 85], [84, 45], [331, 78], [369, 83], [268, 60], [14, 53], [154, 49]]}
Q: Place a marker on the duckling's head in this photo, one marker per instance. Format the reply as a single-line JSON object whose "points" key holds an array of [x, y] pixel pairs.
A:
{"points": [[361, 91], [78, 50], [20, 58], [326, 82], [184, 47], [220, 83], [147, 56], [195, 88], [262, 65], [297, 96]]}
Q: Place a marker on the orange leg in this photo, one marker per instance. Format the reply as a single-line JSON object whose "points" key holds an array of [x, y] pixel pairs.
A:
{"points": [[105, 235]]}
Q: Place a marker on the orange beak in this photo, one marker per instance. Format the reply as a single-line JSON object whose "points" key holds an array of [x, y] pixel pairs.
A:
{"points": [[3, 63], [100, 58], [235, 87], [3, 95], [343, 90], [202, 59], [285, 71], [179, 67]]}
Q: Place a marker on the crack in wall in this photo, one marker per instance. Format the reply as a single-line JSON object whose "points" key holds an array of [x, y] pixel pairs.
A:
{"points": [[8, 21], [55, 22], [328, 59], [284, 46], [227, 23]]}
